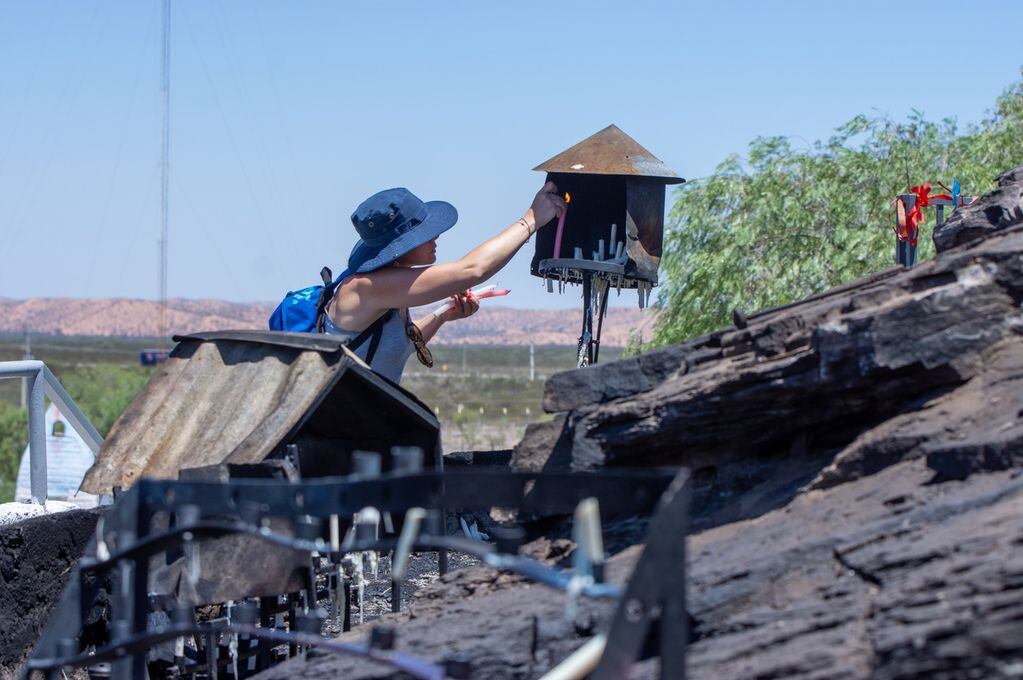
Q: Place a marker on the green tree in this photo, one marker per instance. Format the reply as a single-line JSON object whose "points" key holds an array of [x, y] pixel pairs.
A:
{"points": [[103, 391], [788, 221], [13, 440]]}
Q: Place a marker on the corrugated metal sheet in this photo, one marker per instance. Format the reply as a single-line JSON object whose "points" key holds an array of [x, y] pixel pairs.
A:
{"points": [[239, 396], [610, 152]]}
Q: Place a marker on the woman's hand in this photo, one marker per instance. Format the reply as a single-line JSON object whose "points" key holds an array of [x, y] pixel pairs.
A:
{"points": [[547, 205], [463, 305]]}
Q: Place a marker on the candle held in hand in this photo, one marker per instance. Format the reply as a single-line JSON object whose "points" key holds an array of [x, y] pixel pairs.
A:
{"points": [[561, 227], [480, 294]]}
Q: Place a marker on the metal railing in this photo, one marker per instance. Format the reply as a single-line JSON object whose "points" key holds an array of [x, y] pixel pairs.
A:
{"points": [[42, 383]]}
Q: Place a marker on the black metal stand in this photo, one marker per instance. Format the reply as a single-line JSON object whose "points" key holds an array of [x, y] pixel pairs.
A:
{"points": [[905, 253], [118, 559], [585, 346], [597, 279], [655, 600]]}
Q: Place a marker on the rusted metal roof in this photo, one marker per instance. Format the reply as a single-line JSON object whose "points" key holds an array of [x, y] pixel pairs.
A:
{"points": [[241, 396], [610, 152]]}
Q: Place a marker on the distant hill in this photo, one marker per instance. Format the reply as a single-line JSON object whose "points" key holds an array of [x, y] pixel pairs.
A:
{"points": [[140, 318]]}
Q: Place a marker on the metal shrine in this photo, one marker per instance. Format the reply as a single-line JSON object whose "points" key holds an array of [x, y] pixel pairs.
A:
{"points": [[610, 236]]}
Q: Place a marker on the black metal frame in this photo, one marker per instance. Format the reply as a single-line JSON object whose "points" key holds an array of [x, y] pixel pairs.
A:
{"points": [[597, 279], [655, 599], [120, 556]]}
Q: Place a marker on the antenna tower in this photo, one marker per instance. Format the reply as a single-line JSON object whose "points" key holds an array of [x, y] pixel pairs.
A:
{"points": [[164, 162]]}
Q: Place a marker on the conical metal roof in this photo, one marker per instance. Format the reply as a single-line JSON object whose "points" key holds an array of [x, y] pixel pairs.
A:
{"points": [[610, 152]]}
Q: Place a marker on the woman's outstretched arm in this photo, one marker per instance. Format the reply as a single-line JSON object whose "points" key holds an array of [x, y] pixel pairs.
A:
{"points": [[397, 287]]}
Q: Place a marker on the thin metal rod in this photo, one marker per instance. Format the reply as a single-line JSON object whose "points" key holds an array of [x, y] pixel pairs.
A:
{"points": [[590, 297], [395, 595], [27, 355], [211, 655], [292, 621], [606, 287], [585, 357], [69, 409], [266, 606], [346, 620], [579, 663], [20, 369]]}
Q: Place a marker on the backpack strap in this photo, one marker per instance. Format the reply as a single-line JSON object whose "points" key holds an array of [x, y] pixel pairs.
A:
{"points": [[329, 286], [373, 333]]}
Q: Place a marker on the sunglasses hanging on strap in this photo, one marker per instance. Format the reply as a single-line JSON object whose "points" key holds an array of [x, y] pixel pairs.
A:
{"points": [[423, 352]]}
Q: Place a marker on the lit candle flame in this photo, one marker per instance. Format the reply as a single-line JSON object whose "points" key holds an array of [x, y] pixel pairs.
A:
{"points": [[568, 197]]}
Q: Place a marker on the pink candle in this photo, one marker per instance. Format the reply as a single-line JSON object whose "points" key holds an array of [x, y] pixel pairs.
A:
{"points": [[492, 293], [561, 228], [557, 235], [479, 294]]}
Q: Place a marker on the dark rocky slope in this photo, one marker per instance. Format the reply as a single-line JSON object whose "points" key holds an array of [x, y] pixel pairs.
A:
{"points": [[887, 576], [36, 557]]}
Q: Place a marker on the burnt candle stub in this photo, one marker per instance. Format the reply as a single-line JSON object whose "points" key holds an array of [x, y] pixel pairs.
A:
{"points": [[618, 192]]}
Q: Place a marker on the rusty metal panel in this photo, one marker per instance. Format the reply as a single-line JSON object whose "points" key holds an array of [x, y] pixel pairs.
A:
{"points": [[644, 227], [233, 568], [238, 397], [610, 152]]}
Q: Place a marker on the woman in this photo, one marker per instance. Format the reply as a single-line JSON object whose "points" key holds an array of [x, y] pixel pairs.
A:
{"points": [[392, 268]]}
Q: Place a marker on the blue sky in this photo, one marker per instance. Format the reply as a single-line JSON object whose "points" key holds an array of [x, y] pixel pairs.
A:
{"points": [[286, 114]]}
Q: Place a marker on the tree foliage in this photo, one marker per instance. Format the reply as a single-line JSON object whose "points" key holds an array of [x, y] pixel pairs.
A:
{"points": [[788, 221], [13, 438], [104, 390]]}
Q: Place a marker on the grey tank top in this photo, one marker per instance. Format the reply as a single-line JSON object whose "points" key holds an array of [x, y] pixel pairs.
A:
{"points": [[393, 351]]}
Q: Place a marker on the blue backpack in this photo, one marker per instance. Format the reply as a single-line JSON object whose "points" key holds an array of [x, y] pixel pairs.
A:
{"points": [[305, 311]]}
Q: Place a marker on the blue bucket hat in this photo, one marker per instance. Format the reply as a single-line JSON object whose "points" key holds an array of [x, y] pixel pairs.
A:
{"points": [[393, 222]]}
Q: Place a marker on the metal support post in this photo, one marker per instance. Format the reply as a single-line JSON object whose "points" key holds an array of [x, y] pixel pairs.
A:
{"points": [[395, 588], [346, 620], [292, 621], [585, 347], [37, 436], [656, 594], [210, 643], [605, 288], [266, 616]]}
